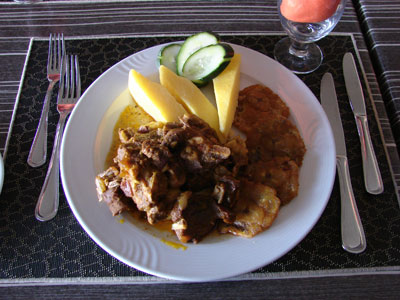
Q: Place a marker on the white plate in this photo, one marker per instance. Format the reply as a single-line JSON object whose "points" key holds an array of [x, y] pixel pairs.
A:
{"points": [[86, 142]]}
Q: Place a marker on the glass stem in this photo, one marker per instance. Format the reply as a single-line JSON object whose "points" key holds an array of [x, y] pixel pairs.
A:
{"points": [[298, 49]]}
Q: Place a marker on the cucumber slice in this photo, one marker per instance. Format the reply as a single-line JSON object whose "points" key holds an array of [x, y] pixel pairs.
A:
{"points": [[167, 56], [207, 62], [191, 45]]}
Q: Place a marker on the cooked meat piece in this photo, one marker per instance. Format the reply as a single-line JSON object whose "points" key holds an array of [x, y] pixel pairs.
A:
{"points": [[126, 135], [193, 216], [145, 132], [150, 127], [106, 179], [199, 181], [144, 202], [156, 181], [225, 214], [203, 151], [197, 127], [149, 193], [199, 156], [255, 211], [225, 190], [175, 173], [172, 125], [174, 138], [115, 201], [155, 151], [215, 154], [107, 186], [126, 188], [127, 155], [191, 159], [142, 180]]}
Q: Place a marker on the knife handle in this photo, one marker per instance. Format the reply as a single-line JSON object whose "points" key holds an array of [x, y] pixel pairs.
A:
{"points": [[372, 175], [353, 237]]}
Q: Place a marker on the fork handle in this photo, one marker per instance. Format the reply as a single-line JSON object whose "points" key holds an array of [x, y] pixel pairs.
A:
{"points": [[47, 205], [37, 154]]}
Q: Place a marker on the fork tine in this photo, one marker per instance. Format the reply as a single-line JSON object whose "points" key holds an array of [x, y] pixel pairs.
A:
{"points": [[67, 77], [55, 48], [57, 63], [61, 49], [62, 79], [78, 77], [72, 79], [50, 55]]}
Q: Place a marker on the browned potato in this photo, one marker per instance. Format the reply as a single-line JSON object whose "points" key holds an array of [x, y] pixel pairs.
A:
{"points": [[255, 211]]}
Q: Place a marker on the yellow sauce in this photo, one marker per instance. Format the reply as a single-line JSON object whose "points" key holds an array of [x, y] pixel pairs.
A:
{"points": [[132, 116], [174, 244], [165, 225]]}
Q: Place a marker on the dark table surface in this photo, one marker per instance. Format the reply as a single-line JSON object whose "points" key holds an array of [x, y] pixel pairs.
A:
{"points": [[372, 27]]}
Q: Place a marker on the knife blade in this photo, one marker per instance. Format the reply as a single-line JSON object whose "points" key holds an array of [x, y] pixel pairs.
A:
{"points": [[372, 175], [353, 237]]}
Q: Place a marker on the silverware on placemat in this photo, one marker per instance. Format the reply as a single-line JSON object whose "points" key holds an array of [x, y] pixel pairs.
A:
{"points": [[68, 94], [353, 237], [372, 175], [38, 152]]}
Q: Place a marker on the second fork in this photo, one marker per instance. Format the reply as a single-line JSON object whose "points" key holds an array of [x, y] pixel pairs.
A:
{"points": [[68, 94]]}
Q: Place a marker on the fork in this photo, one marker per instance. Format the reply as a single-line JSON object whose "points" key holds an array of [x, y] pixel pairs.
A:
{"points": [[38, 152], [68, 94]]}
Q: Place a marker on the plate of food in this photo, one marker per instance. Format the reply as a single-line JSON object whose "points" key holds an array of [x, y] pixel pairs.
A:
{"points": [[181, 200]]}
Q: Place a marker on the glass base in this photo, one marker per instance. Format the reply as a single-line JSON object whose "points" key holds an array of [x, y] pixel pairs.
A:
{"points": [[298, 61]]}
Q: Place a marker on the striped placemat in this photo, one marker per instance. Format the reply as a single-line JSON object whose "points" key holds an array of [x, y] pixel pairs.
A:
{"points": [[381, 27]]}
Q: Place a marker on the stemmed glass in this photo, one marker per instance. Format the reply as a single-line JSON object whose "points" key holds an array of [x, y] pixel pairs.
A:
{"points": [[298, 51]]}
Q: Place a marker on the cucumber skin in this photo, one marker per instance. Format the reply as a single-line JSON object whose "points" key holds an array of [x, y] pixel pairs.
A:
{"points": [[200, 83], [188, 42], [161, 56], [225, 61]]}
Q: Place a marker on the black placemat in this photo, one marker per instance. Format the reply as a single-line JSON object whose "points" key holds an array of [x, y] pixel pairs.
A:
{"points": [[61, 249]]}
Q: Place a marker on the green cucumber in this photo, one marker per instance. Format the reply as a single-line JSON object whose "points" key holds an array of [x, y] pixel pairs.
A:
{"points": [[191, 45], [207, 63], [167, 56]]}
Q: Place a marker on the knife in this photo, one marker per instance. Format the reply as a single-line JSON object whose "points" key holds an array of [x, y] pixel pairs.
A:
{"points": [[372, 175], [353, 237]]}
